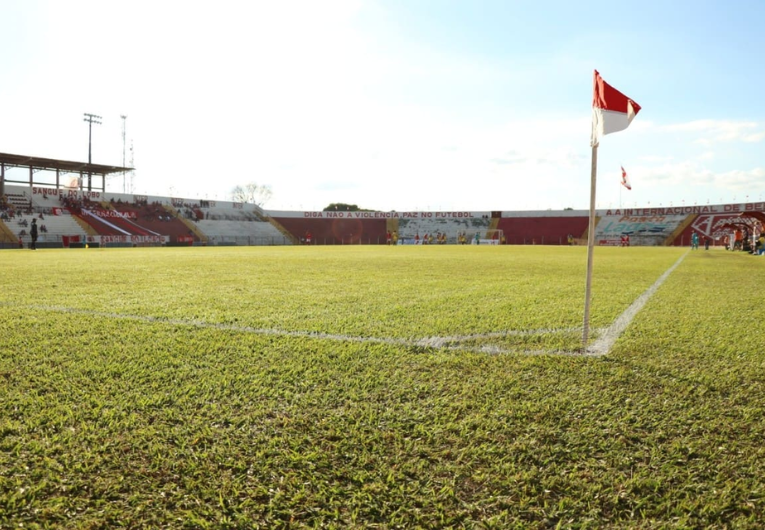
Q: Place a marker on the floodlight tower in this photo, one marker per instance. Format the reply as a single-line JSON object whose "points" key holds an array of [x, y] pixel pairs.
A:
{"points": [[91, 119], [124, 118], [132, 164]]}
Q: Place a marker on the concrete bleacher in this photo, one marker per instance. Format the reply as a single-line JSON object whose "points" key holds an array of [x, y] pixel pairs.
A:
{"points": [[231, 223], [241, 232], [57, 227], [408, 228], [644, 230], [231, 211]]}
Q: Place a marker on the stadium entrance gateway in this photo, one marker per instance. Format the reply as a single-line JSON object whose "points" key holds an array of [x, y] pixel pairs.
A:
{"points": [[68, 174]]}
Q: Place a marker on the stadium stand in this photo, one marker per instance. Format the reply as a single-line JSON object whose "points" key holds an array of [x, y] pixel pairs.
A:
{"points": [[546, 229], [644, 230], [230, 223], [451, 226], [252, 232], [113, 219], [717, 226], [333, 231]]}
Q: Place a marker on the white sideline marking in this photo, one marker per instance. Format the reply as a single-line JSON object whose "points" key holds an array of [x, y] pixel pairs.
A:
{"points": [[450, 343], [604, 343]]}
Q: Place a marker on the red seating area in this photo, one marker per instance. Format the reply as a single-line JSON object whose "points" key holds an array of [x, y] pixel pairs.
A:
{"points": [[336, 231], [157, 219], [103, 222], [128, 219], [542, 230]]}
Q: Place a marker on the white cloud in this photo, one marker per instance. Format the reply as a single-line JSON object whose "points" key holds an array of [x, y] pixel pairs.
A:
{"points": [[689, 174], [709, 132]]}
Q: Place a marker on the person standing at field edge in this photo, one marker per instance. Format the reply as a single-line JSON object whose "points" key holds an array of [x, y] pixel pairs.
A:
{"points": [[33, 233]]}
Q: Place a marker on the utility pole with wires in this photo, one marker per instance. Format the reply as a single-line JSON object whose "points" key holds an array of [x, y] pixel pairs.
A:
{"points": [[91, 119]]}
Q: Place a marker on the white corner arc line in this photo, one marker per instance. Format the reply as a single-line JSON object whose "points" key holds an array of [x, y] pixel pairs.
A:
{"points": [[448, 343], [606, 341]]}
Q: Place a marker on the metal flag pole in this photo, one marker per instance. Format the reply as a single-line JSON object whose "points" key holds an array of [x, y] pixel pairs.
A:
{"points": [[590, 248]]}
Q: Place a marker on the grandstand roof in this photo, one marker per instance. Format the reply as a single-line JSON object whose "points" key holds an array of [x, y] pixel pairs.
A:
{"points": [[50, 164]]}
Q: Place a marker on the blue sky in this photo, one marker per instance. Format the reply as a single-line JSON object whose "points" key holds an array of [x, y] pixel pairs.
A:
{"points": [[393, 104]]}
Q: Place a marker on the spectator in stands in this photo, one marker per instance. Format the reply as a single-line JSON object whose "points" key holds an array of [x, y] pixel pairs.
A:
{"points": [[33, 234]]}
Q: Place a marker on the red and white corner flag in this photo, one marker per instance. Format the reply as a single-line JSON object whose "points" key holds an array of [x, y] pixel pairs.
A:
{"points": [[612, 111], [625, 180]]}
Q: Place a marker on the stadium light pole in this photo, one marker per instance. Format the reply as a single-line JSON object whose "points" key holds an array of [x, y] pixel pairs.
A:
{"points": [[124, 118], [91, 119]]}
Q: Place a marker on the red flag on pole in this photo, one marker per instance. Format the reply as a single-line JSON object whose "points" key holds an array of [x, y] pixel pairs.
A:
{"points": [[612, 111], [625, 180]]}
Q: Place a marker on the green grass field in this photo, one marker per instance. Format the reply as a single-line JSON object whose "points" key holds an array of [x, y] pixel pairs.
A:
{"points": [[379, 387]]}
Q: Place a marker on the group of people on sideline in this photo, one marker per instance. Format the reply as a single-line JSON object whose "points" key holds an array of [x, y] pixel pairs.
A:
{"points": [[741, 239]]}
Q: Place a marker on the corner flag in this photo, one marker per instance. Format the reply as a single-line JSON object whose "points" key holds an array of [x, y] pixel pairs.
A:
{"points": [[625, 180], [612, 111]]}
